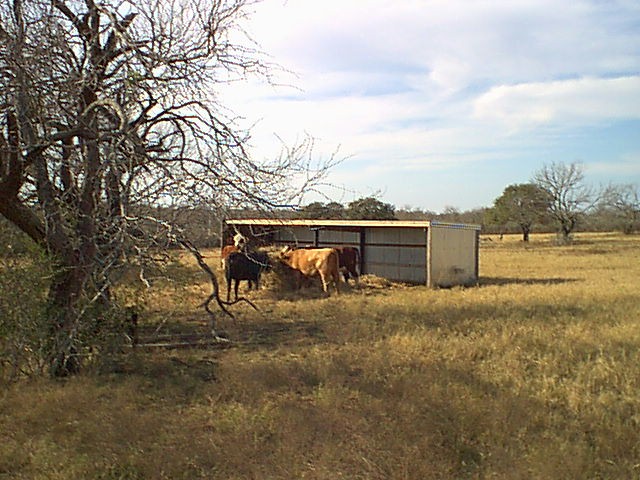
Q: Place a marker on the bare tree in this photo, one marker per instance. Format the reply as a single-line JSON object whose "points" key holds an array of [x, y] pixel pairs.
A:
{"points": [[569, 197], [110, 110], [450, 214], [624, 201]]}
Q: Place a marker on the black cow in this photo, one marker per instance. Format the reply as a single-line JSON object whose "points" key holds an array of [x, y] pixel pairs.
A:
{"points": [[244, 266]]}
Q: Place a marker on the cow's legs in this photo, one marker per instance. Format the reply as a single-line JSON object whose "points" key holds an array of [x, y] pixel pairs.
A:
{"points": [[345, 274], [324, 283]]}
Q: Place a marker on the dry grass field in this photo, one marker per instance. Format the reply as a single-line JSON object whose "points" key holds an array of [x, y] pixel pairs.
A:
{"points": [[534, 374]]}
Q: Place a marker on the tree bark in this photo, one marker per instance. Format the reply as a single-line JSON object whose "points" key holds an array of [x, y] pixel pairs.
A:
{"points": [[64, 293]]}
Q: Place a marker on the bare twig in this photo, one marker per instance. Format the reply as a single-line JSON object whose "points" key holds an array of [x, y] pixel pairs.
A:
{"points": [[187, 245]]}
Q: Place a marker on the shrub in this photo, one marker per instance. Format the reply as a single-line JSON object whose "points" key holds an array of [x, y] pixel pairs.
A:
{"points": [[23, 326]]}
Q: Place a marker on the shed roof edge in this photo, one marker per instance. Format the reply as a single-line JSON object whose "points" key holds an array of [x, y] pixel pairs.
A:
{"points": [[347, 223]]}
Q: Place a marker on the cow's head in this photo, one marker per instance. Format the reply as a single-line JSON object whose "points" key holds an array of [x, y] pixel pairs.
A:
{"points": [[240, 241], [286, 252]]}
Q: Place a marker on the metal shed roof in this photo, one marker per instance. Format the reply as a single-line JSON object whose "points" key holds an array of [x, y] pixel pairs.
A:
{"points": [[348, 223]]}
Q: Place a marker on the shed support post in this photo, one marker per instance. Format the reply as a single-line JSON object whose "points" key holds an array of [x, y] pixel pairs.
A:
{"points": [[224, 228], [429, 235], [477, 266], [363, 242]]}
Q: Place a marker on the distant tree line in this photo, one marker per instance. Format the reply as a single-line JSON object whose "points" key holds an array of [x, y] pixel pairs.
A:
{"points": [[557, 199], [369, 208]]}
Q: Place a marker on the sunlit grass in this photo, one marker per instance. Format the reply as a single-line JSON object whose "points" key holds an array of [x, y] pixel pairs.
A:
{"points": [[534, 374]]}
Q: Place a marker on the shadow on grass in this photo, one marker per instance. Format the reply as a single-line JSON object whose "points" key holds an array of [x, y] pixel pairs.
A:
{"points": [[486, 281], [276, 334]]}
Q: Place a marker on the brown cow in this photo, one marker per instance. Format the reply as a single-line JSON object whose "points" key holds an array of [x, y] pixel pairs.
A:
{"points": [[225, 252], [349, 262], [312, 262], [239, 245]]}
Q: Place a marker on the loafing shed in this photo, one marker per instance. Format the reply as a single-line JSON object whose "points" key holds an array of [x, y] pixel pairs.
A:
{"points": [[435, 254]]}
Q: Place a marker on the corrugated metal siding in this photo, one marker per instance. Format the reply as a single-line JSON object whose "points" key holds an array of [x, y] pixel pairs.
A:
{"points": [[452, 256], [295, 236], [303, 236], [396, 254], [331, 238]]}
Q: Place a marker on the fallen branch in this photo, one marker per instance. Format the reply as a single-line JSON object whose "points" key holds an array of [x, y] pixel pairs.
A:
{"points": [[215, 294], [216, 341]]}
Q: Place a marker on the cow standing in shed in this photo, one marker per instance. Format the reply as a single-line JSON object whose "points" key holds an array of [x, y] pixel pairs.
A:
{"points": [[313, 262], [349, 262], [244, 266]]}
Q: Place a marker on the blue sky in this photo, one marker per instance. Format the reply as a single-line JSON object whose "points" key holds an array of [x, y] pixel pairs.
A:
{"points": [[446, 102]]}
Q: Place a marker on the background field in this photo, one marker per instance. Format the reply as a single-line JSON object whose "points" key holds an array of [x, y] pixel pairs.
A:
{"points": [[534, 374]]}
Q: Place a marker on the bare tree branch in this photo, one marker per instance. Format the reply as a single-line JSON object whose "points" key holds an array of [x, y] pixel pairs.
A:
{"points": [[570, 196], [110, 116]]}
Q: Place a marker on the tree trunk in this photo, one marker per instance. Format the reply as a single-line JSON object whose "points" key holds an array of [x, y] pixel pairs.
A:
{"points": [[64, 295]]}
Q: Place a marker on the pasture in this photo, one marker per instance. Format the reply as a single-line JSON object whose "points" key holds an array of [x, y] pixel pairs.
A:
{"points": [[534, 374]]}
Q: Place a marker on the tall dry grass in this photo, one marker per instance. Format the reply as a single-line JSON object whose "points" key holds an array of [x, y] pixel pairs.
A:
{"points": [[535, 374]]}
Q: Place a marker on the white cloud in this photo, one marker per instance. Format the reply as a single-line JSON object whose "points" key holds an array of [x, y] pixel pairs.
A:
{"points": [[504, 40], [627, 167], [579, 101]]}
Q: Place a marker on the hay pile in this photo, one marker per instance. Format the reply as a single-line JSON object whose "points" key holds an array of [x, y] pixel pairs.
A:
{"points": [[282, 281], [280, 277]]}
